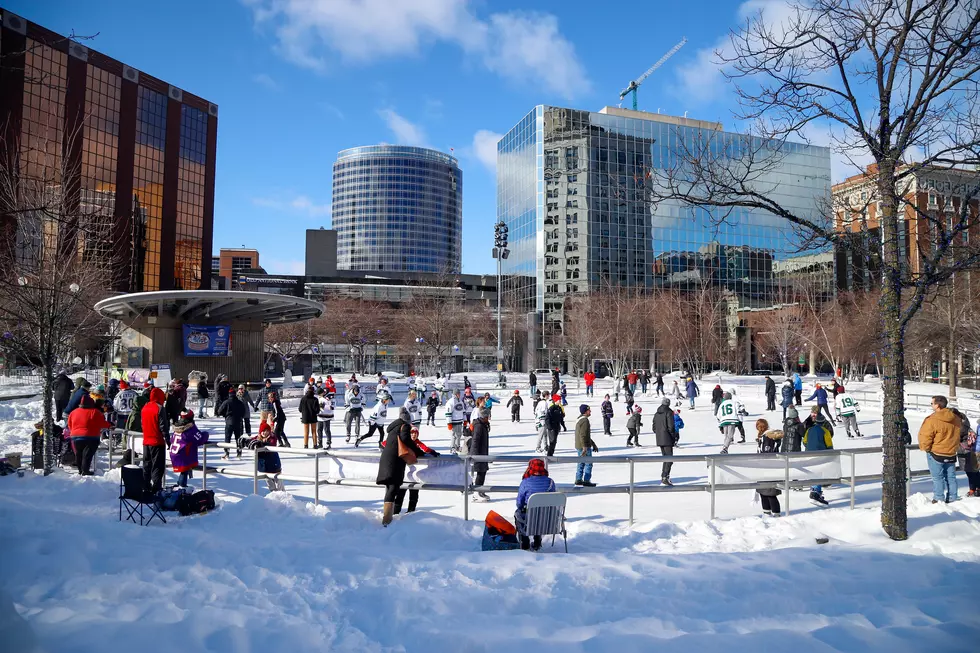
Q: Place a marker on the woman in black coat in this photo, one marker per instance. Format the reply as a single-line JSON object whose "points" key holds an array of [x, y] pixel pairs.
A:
{"points": [[480, 446], [391, 469]]}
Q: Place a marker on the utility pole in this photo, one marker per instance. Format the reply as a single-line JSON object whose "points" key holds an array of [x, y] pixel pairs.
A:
{"points": [[500, 252]]}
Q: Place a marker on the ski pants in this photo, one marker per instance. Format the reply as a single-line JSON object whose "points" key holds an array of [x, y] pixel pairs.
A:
{"points": [[606, 425], [457, 436], [826, 410], [634, 436], [350, 417], [729, 431], [323, 434], [542, 438], [851, 422]]}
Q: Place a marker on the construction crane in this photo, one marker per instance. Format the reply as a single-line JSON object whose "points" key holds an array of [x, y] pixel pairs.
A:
{"points": [[639, 80]]}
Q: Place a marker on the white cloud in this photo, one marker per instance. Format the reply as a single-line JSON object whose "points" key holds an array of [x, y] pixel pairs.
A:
{"points": [[300, 204], [485, 148], [283, 266], [521, 46], [265, 80], [405, 131]]}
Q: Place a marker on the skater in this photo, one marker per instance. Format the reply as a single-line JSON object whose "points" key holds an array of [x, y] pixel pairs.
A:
{"points": [[469, 404], [692, 390], [377, 419], [123, 404], [589, 378], [480, 446], [847, 410], [382, 390], [202, 396], [233, 410], [309, 408], [391, 467], [156, 439], [183, 447], [633, 425], [563, 391], [535, 481], [770, 393], [660, 385], [939, 438], [628, 397], [676, 393], [585, 446], [268, 462], [607, 414], [555, 381], [768, 441], [644, 380], [787, 395], [263, 405], [818, 437], [728, 420], [798, 388], [678, 423], [632, 378], [323, 418], [740, 409], [440, 386], [717, 394], [541, 424], [456, 419], [665, 429], [555, 420], [355, 407], [277, 419], [431, 405], [413, 404], [515, 403], [85, 424], [792, 432], [532, 381], [821, 396], [247, 398]]}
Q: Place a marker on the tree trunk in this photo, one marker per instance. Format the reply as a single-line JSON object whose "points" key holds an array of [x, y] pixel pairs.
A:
{"points": [[951, 363], [47, 402]]}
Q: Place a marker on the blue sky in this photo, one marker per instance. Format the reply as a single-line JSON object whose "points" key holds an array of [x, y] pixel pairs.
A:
{"points": [[298, 80]]}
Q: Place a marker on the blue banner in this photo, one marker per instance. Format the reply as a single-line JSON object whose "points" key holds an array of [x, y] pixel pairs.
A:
{"points": [[206, 340]]}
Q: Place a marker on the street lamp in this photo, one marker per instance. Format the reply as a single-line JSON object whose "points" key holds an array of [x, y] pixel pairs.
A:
{"points": [[500, 252]]}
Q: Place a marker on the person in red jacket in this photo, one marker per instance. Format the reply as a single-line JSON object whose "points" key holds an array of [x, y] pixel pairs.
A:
{"points": [[632, 378], [156, 439], [589, 381], [85, 424]]}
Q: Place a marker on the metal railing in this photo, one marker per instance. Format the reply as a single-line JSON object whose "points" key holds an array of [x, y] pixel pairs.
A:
{"points": [[632, 488]]}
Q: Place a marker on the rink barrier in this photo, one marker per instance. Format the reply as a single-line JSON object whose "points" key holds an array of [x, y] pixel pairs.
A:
{"points": [[632, 488]]}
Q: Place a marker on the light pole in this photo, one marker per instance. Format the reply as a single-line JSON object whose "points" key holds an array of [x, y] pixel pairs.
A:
{"points": [[500, 252]]}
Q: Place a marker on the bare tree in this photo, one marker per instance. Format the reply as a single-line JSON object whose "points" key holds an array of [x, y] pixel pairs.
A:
{"points": [[950, 315], [621, 314], [693, 325], [288, 340], [887, 78], [362, 325], [778, 331], [583, 330]]}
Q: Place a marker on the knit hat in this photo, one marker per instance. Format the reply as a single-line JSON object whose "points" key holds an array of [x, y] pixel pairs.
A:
{"points": [[517, 392], [535, 467], [791, 412], [556, 398], [186, 417], [637, 409], [583, 409], [123, 385], [665, 401]]}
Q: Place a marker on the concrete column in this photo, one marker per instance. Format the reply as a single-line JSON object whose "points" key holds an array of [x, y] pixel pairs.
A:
{"points": [[813, 361]]}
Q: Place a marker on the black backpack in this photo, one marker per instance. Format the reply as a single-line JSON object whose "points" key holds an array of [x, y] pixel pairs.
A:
{"points": [[197, 503]]}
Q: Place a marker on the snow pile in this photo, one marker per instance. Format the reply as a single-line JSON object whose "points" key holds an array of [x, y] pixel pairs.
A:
{"points": [[275, 574]]}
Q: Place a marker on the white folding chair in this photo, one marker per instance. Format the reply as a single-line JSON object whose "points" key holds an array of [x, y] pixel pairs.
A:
{"points": [[546, 516]]}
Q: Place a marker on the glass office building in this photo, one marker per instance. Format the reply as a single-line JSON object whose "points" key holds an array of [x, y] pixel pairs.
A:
{"points": [[132, 155], [574, 188], [397, 208]]}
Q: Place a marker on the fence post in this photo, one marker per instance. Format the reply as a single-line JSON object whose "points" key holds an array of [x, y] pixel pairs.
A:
{"points": [[853, 474], [466, 488], [631, 493], [786, 483], [316, 478], [908, 472], [255, 471], [204, 480], [712, 483], [112, 438]]}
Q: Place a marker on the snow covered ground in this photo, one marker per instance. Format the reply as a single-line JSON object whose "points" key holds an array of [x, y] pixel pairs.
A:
{"points": [[272, 572]]}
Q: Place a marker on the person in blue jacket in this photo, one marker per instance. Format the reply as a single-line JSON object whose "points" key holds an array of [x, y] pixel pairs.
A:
{"points": [[787, 393], [82, 387], [821, 396], [678, 422], [535, 480], [692, 390], [819, 437], [798, 388]]}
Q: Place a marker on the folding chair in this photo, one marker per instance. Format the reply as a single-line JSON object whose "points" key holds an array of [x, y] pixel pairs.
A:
{"points": [[134, 495], [546, 516]]}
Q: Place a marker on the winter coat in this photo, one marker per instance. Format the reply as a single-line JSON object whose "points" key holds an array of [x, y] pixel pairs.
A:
{"points": [[940, 434], [717, 394], [583, 433], [632, 378], [515, 403], [797, 382], [678, 424], [635, 422], [309, 408], [540, 414], [263, 404], [469, 403], [589, 378], [87, 423], [156, 425], [845, 404], [414, 408], [792, 435], [354, 401], [663, 427], [692, 389], [480, 443], [770, 388], [183, 447], [223, 391], [391, 468], [821, 396], [135, 422], [379, 415], [75, 399], [233, 410], [769, 443], [278, 414], [606, 408], [555, 418], [818, 437], [63, 387], [202, 390], [172, 406], [431, 405], [628, 397], [532, 379], [533, 485], [326, 409], [728, 413], [787, 394], [455, 410]]}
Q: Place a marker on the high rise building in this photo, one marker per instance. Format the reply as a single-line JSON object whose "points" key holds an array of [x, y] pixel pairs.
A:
{"points": [[397, 209], [130, 151], [575, 189], [233, 262]]}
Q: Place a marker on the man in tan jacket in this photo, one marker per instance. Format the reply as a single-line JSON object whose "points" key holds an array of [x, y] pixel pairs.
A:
{"points": [[939, 437]]}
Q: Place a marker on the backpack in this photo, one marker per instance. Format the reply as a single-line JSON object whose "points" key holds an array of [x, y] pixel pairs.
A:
{"points": [[195, 504], [171, 497]]}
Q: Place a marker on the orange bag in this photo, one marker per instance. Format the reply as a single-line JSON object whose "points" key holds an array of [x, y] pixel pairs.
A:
{"points": [[499, 524]]}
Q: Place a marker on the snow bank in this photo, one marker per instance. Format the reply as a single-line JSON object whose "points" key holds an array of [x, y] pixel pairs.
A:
{"points": [[275, 574]]}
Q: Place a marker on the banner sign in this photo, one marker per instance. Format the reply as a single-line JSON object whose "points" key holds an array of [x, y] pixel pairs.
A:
{"points": [[445, 470], [207, 340], [801, 468]]}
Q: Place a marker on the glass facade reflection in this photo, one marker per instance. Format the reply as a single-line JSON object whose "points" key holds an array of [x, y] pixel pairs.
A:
{"points": [[397, 208], [574, 188], [136, 152]]}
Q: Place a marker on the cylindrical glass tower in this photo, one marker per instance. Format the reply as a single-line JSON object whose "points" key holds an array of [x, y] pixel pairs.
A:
{"points": [[397, 208]]}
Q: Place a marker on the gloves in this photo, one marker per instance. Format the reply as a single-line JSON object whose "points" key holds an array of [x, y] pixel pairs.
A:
{"points": [[435, 454], [595, 447]]}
